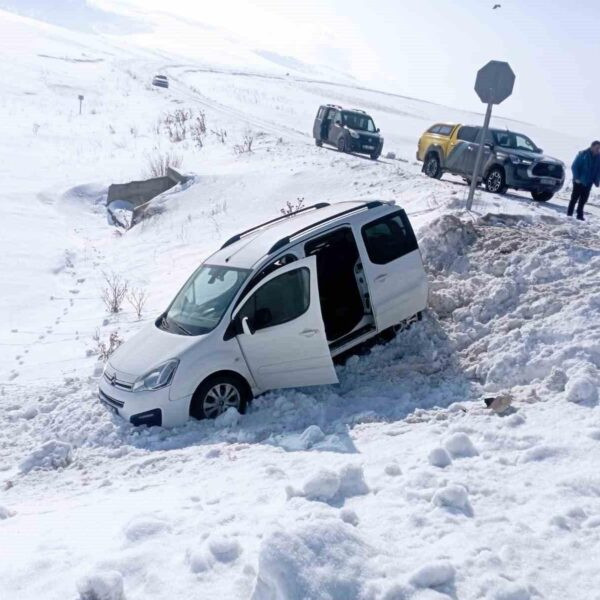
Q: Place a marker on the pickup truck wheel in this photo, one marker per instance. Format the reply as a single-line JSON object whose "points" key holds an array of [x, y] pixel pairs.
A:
{"points": [[495, 181], [318, 143], [217, 394], [341, 145], [432, 167], [541, 196]]}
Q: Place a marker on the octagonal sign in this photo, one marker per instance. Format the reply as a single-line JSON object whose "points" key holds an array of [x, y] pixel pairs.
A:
{"points": [[494, 82]]}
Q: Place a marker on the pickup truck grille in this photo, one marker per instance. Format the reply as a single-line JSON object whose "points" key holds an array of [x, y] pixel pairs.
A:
{"points": [[544, 169]]}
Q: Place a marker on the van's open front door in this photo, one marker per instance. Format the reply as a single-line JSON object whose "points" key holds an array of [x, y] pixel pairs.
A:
{"points": [[281, 331]]}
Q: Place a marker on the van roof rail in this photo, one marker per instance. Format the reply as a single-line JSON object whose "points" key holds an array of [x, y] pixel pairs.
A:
{"points": [[239, 236], [334, 106], [286, 240], [364, 112]]}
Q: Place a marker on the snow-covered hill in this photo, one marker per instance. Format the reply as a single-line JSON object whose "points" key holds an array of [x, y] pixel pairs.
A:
{"points": [[395, 484]]}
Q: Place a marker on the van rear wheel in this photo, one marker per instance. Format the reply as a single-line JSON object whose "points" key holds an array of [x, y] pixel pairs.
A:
{"points": [[341, 145], [318, 143], [217, 394]]}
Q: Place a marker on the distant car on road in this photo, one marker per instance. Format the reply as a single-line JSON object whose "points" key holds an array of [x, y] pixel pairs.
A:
{"points": [[510, 159], [349, 130], [160, 81], [271, 309]]}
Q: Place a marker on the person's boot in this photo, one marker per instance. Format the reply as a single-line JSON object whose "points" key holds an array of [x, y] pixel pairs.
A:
{"points": [[580, 218]]}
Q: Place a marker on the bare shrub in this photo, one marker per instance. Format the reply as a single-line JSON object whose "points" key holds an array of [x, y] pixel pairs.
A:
{"points": [[220, 134], [137, 298], [198, 130], [105, 348], [293, 207], [245, 146], [158, 163], [177, 124], [114, 292]]}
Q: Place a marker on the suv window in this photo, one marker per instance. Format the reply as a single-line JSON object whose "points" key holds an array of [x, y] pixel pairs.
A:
{"points": [[278, 301], [389, 238], [468, 134]]}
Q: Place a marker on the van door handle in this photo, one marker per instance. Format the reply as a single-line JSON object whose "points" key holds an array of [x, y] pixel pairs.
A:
{"points": [[381, 277], [309, 332]]}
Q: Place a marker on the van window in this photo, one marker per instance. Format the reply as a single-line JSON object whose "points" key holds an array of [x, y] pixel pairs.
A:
{"points": [[278, 301], [468, 134], [389, 238], [434, 129], [321, 113]]}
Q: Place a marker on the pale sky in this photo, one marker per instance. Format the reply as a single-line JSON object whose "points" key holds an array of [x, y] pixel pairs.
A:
{"points": [[428, 49]]}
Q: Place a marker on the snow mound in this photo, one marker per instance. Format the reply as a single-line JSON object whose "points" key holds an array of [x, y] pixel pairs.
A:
{"points": [[224, 549], [444, 241], [582, 386], [459, 445], [455, 498], [329, 486], [438, 457], [52, 455], [144, 526], [230, 418], [393, 469], [324, 560], [434, 574], [5, 513], [511, 591], [103, 585], [310, 436]]}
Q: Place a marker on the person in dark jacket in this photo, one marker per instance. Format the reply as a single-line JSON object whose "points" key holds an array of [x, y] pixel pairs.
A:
{"points": [[586, 172]]}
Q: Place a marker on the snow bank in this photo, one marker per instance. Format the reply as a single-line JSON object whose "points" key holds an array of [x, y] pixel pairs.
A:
{"points": [[323, 559], [52, 455]]}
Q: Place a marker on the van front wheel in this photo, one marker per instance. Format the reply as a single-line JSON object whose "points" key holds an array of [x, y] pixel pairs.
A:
{"points": [[217, 394]]}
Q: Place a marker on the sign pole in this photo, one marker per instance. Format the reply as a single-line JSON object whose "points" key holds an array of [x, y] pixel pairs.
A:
{"points": [[475, 180]]}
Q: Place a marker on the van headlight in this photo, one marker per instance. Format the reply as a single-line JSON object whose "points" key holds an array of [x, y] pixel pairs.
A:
{"points": [[159, 377]]}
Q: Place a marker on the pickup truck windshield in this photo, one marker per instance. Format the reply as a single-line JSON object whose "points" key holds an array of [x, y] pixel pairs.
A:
{"points": [[513, 141], [358, 121], [201, 303]]}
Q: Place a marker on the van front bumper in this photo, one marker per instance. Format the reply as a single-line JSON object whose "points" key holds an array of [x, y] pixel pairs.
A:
{"points": [[144, 408]]}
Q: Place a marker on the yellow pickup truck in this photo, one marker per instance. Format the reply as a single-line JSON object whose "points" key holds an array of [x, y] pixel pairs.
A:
{"points": [[510, 159]]}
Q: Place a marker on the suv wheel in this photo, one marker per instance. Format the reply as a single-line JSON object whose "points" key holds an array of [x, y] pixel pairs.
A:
{"points": [[341, 145], [432, 167], [318, 143], [217, 394], [541, 196], [495, 181]]}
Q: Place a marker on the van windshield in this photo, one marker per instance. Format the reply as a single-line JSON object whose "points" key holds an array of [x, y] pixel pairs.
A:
{"points": [[358, 121], [201, 303]]}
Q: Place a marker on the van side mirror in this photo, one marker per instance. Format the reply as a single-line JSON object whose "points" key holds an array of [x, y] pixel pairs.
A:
{"points": [[246, 326], [539, 151], [377, 130]]}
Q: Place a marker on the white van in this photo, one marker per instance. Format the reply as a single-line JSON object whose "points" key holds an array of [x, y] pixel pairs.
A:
{"points": [[270, 310]]}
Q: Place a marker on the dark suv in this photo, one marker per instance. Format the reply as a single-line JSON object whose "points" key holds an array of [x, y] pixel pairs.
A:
{"points": [[349, 130], [510, 159]]}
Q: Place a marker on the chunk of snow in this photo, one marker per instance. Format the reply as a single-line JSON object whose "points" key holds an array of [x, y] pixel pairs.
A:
{"points": [[102, 585], [349, 516], [393, 469], [5, 513], [454, 497], [310, 436], [144, 526], [224, 549], [459, 445], [352, 481], [198, 561], [434, 574], [582, 386], [230, 418], [538, 453], [52, 455], [438, 457], [323, 559], [322, 486], [511, 591]]}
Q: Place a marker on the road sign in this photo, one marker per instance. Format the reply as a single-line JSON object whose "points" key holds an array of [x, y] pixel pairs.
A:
{"points": [[494, 84]]}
